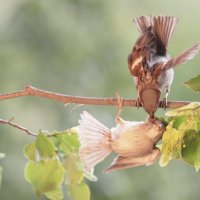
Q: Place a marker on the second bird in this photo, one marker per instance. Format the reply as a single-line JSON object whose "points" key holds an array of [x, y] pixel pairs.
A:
{"points": [[149, 63]]}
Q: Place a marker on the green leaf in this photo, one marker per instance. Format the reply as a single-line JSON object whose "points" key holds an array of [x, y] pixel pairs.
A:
{"points": [[74, 174], [198, 123], [79, 191], [66, 142], [171, 145], [194, 83], [178, 121], [55, 194], [74, 141], [179, 137], [192, 109], [191, 151], [45, 146], [190, 123], [45, 176], [30, 151]]}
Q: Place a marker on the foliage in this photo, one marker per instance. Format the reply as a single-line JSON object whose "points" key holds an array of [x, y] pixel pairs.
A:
{"points": [[181, 139], [53, 163], [194, 84]]}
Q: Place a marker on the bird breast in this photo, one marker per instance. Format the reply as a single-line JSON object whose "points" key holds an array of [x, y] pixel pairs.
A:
{"points": [[157, 59], [135, 140]]}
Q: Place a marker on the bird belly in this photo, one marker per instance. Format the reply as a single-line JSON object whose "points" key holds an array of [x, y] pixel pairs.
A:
{"points": [[166, 78], [132, 146]]}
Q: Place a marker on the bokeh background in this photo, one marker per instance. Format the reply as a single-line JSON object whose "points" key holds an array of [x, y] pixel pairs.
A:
{"points": [[80, 47]]}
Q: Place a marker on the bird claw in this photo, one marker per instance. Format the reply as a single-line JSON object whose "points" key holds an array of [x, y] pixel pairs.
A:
{"points": [[164, 103], [119, 120], [138, 103]]}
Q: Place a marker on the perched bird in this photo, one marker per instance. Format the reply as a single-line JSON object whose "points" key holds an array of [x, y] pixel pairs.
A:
{"points": [[133, 142], [151, 66]]}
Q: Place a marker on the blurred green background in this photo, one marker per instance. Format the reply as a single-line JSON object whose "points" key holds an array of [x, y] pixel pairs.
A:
{"points": [[80, 47]]}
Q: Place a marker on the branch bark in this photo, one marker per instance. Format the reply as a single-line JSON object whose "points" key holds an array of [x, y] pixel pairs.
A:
{"points": [[21, 128], [32, 91]]}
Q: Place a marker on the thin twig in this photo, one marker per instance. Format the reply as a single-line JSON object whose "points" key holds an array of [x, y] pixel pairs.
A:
{"points": [[9, 122], [32, 91]]}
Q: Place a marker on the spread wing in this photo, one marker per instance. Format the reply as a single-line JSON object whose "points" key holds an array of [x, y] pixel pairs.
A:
{"points": [[182, 57], [121, 162]]}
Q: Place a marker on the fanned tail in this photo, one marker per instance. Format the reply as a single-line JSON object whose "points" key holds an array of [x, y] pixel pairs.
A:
{"points": [[142, 23], [162, 26], [94, 138]]}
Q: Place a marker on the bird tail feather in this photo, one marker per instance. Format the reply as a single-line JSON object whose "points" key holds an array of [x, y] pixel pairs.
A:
{"points": [[163, 26], [94, 138]]}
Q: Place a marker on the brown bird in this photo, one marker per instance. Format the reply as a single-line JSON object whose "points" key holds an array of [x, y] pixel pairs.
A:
{"points": [[134, 142], [151, 66]]}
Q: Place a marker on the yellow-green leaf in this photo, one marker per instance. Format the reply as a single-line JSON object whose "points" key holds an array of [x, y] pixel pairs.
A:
{"points": [[178, 121], [45, 146], [194, 84], [74, 174], [79, 191], [171, 145], [55, 194], [45, 176], [30, 151], [190, 123], [177, 140], [198, 123], [66, 142], [191, 151], [192, 109]]}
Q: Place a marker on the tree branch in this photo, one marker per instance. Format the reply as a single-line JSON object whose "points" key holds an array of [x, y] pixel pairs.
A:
{"points": [[9, 122], [32, 91]]}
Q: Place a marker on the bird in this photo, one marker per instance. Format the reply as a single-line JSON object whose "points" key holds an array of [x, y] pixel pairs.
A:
{"points": [[133, 142], [149, 63]]}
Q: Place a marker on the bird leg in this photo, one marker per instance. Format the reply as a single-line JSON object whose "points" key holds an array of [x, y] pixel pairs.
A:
{"points": [[164, 101], [138, 102]]}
